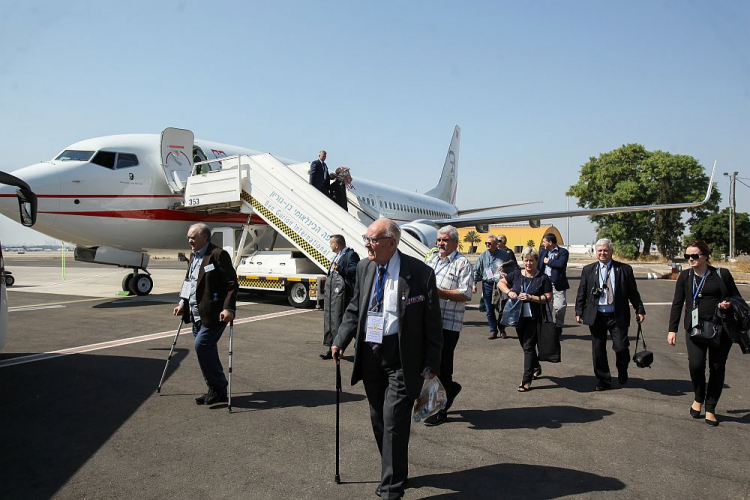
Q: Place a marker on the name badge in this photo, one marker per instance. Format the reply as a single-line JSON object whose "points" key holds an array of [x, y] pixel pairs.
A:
{"points": [[488, 274], [526, 309], [185, 291], [694, 317], [374, 328], [208, 268]]}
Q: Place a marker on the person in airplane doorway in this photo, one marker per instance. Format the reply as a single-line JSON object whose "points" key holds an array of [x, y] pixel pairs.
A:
{"points": [[553, 261], [488, 270], [338, 288], [455, 275], [320, 179], [208, 300], [395, 316], [342, 180], [602, 304]]}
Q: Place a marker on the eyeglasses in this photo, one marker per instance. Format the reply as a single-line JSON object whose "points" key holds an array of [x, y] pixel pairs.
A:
{"points": [[694, 256], [488, 244], [373, 241]]}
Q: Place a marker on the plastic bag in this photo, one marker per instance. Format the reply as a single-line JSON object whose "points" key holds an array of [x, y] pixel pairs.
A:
{"points": [[431, 400]]}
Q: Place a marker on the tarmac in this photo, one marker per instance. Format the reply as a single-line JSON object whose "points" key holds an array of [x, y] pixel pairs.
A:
{"points": [[80, 416]]}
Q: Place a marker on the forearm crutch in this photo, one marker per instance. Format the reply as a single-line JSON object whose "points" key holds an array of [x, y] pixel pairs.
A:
{"points": [[231, 348], [171, 351], [338, 395]]}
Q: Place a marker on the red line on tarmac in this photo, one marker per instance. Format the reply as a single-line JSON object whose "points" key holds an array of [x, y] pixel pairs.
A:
{"points": [[31, 358]]}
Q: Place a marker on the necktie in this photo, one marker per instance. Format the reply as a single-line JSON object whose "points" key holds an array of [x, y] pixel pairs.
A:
{"points": [[376, 304], [610, 291]]}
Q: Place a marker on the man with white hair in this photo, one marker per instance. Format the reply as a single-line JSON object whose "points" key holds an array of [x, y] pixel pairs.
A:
{"points": [[602, 304], [454, 275]]}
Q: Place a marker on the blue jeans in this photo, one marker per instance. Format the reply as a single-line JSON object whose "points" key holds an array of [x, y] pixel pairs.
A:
{"points": [[492, 313], [208, 354]]}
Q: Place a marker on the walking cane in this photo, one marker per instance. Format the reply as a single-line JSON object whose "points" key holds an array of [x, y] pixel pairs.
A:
{"points": [[338, 394], [174, 342], [231, 346]]}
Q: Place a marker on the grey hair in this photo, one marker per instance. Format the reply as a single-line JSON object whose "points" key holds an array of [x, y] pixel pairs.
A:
{"points": [[202, 229], [604, 242], [451, 231], [492, 237], [530, 252], [392, 230]]}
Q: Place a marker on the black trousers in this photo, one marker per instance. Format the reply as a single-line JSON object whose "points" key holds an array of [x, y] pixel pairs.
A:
{"points": [[605, 323], [527, 336], [390, 413], [450, 341], [717, 361]]}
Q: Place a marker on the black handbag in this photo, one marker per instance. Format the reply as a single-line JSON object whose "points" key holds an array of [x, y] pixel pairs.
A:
{"points": [[644, 358], [547, 341], [707, 332]]}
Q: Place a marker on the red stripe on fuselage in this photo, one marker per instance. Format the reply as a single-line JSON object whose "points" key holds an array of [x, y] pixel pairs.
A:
{"points": [[166, 215], [99, 196]]}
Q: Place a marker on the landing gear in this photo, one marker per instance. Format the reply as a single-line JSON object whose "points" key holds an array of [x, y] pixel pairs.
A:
{"points": [[137, 284], [299, 295]]}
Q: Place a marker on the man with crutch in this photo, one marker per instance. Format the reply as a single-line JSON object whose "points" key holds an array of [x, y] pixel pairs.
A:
{"points": [[211, 285]]}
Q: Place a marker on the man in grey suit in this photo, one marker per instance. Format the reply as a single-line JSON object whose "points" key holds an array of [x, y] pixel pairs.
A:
{"points": [[395, 316]]}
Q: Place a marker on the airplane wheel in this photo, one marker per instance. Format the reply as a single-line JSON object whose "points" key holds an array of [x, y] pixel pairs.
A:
{"points": [[126, 282], [299, 295], [141, 284], [9, 280]]}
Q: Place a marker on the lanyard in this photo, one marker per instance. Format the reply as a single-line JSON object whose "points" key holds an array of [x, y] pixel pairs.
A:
{"points": [[437, 261], [524, 286], [697, 293], [606, 276]]}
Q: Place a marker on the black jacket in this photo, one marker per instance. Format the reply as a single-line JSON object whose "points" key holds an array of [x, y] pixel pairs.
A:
{"points": [[715, 289], [625, 290]]}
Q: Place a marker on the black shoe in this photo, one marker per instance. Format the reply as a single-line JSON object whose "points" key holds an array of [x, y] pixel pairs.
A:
{"points": [[622, 377], [603, 385], [201, 400], [712, 423], [327, 355], [436, 419], [695, 413], [215, 396]]}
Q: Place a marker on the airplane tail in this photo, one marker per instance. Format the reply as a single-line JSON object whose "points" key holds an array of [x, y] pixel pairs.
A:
{"points": [[446, 188]]}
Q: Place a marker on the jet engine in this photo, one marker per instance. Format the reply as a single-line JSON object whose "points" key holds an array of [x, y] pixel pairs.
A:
{"points": [[423, 230]]}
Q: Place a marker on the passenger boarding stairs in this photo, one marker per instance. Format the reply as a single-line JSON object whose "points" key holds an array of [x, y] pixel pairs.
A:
{"points": [[281, 195]]}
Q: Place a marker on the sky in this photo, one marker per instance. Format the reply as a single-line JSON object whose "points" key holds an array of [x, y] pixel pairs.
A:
{"points": [[536, 87]]}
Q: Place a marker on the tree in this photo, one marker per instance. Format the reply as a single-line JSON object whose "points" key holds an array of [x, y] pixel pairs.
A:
{"points": [[471, 238], [531, 243], [631, 175], [714, 230]]}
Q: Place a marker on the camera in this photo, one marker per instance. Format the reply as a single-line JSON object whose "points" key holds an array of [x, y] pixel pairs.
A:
{"points": [[596, 292]]}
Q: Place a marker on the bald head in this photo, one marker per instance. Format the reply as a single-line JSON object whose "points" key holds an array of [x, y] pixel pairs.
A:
{"points": [[381, 240]]}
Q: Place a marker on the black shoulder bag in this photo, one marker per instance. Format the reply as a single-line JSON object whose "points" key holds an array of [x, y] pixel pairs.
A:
{"points": [[644, 358]]}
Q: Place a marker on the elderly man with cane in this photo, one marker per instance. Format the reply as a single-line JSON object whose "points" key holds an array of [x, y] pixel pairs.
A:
{"points": [[395, 316]]}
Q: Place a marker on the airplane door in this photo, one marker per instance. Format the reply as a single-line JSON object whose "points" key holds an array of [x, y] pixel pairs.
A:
{"points": [[177, 157]]}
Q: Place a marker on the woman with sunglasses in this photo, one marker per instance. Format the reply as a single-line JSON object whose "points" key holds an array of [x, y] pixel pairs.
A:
{"points": [[702, 289], [534, 289]]}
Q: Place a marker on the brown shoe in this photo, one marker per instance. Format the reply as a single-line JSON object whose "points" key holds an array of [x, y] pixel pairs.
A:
{"points": [[492, 336], [503, 335]]}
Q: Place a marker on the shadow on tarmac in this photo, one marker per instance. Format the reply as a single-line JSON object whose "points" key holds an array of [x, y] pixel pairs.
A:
{"points": [[293, 398], [587, 383], [58, 414], [516, 481], [550, 417]]}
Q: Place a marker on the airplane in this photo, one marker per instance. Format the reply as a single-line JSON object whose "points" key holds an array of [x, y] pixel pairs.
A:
{"points": [[116, 197]]}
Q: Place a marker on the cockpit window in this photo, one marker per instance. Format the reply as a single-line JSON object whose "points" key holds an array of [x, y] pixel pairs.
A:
{"points": [[105, 159], [125, 160], [74, 155]]}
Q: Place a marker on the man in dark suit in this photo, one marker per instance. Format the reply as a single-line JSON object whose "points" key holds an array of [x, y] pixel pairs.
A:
{"points": [[553, 261], [338, 288], [319, 176], [208, 300], [396, 301], [602, 304]]}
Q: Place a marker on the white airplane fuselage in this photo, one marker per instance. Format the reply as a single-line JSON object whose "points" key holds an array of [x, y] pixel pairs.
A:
{"points": [[130, 207]]}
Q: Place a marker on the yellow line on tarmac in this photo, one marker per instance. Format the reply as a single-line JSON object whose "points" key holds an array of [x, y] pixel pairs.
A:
{"points": [[55, 303]]}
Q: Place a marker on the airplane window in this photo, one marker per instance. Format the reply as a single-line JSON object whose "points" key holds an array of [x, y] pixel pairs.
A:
{"points": [[380, 202], [73, 155], [105, 159], [125, 160]]}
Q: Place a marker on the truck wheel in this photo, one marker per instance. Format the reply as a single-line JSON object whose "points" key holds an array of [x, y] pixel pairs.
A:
{"points": [[9, 280], [299, 295]]}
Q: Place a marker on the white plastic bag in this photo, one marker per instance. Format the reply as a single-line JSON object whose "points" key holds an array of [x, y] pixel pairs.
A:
{"points": [[431, 400]]}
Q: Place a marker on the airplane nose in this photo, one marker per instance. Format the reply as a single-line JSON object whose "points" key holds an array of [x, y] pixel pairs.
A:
{"points": [[44, 181]]}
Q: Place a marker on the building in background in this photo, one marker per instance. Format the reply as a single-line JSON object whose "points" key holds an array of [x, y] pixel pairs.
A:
{"points": [[518, 236]]}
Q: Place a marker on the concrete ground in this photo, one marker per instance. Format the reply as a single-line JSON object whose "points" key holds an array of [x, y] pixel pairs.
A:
{"points": [[90, 424]]}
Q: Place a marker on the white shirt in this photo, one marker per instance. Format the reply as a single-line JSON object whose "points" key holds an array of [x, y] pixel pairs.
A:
{"points": [[390, 295], [454, 272], [603, 306]]}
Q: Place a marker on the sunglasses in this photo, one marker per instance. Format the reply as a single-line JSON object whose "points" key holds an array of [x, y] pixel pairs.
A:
{"points": [[488, 244], [694, 256]]}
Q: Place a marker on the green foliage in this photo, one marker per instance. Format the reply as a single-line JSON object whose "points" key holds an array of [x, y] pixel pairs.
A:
{"points": [[531, 244], [714, 230], [472, 237], [631, 175]]}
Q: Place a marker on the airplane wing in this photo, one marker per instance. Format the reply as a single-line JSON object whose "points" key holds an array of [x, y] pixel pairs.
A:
{"points": [[485, 209], [535, 219]]}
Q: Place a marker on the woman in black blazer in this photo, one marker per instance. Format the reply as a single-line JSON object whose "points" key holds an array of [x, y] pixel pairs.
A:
{"points": [[534, 289], [702, 286]]}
